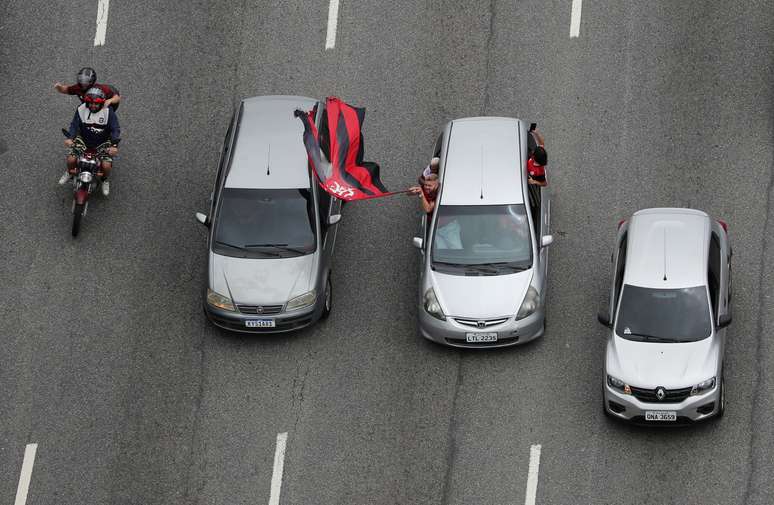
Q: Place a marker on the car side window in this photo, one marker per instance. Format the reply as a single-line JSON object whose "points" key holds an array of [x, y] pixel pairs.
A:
{"points": [[438, 145], [324, 200], [713, 273], [619, 269], [224, 155]]}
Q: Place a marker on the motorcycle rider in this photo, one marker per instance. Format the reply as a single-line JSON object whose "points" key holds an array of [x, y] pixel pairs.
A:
{"points": [[87, 79], [93, 126]]}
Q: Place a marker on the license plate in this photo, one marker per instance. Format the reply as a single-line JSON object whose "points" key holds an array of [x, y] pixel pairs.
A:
{"points": [[259, 323], [480, 337], [660, 415]]}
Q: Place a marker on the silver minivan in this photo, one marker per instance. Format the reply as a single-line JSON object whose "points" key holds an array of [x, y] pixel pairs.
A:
{"points": [[271, 229], [484, 247], [670, 301]]}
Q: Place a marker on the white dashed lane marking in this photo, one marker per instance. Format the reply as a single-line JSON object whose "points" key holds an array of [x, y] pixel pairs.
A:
{"points": [[333, 21], [575, 20], [279, 464], [26, 474], [102, 19], [532, 478]]}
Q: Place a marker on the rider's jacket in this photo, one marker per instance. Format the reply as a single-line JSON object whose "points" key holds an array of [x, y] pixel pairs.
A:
{"points": [[95, 128]]}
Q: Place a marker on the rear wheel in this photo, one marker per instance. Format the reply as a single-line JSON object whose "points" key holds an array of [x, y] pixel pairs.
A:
{"points": [[328, 298], [77, 217]]}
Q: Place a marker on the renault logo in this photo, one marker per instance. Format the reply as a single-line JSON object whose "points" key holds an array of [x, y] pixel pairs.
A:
{"points": [[660, 393], [481, 324]]}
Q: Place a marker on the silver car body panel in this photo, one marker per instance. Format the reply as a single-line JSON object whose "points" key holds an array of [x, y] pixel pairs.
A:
{"points": [[266, 281], [269, 153]]}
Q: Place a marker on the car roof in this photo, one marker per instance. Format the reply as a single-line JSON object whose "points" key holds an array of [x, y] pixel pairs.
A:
{"points": [[484, 164], [269, 151], [667, 248]]}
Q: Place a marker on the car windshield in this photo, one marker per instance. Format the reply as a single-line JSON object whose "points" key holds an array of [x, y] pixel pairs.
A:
{"points": [[481, 239], [664, 315], [258, 223]]}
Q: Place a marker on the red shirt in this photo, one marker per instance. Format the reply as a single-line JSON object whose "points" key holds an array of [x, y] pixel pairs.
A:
{"points": [[75, 89], [537, 172]]}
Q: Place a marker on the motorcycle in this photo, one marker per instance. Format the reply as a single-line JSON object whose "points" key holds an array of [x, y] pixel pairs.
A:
{"points": [[86, 180]]}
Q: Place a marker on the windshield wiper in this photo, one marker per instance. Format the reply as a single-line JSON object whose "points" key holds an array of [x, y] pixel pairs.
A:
{"points": [[514, 268], [447, 264], [232, 246], [652, 338], [283, 247]]}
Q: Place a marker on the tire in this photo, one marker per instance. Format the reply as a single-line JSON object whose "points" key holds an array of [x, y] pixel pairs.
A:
{"points": [[77, 217], [722, 406], [327, 304]]}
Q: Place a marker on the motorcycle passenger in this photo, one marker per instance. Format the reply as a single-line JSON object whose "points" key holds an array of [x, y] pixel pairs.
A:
{"points": [[87, 79], [93, 126]]}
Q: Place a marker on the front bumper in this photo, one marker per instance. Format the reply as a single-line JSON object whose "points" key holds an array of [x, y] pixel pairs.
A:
{"points": [[509, 333], [284, 322], [692, 409]]}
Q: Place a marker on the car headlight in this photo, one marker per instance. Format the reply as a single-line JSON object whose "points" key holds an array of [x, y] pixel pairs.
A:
{"points": [[432, 306], [304, 300], [530, 303], [219, 301], [619, 385], [703, 386]]}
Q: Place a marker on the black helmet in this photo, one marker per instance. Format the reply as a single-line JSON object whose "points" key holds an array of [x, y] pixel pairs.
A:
{"points": [[86, 77], [94, 99]]}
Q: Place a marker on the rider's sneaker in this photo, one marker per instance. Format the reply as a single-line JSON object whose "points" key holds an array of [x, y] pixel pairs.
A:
{"points": [[65, 178], [105, 188]]}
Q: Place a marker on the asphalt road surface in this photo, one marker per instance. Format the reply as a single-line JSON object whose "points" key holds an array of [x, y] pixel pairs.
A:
{"points": [[110, 367]]}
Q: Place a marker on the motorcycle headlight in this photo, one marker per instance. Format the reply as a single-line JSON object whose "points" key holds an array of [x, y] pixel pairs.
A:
{"points": [[703, 386], [304, 300], [530, 303], [432, 306], [619, 385], [219, 301], [85, 177]]}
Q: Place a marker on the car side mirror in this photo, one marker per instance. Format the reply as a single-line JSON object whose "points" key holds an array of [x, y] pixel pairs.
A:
{"points": [[333, 219], [724, 321], [603, 317], [546, 240], [202, 218], [418, 242]]}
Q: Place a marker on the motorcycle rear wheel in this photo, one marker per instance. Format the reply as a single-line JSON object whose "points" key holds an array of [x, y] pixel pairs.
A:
{"points": [[77, 216]]}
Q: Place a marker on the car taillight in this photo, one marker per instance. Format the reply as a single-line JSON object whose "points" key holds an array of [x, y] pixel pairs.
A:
{"points": [[723, 224], [621, 222]]}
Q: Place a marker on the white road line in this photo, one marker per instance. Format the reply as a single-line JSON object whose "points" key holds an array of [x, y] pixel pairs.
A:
{"points": [[102, 18], [576, 18], [26, 474], [279, 463], [532, 479], [333, 22]]}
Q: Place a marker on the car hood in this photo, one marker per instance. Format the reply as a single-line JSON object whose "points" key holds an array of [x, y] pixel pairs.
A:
{"points": [[653, 364], [262, 281], [480, 297]]}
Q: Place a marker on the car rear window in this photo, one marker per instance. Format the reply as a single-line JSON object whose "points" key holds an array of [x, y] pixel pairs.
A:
{"points": [[664, 315], [265, 222]]}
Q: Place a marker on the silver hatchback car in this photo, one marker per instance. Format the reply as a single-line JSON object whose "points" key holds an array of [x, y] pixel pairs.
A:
{"points": [[484, 254], [669, 305], [272, 230]]}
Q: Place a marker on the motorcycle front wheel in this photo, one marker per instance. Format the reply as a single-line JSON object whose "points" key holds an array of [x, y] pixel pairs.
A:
{"points": [[77, 216]]}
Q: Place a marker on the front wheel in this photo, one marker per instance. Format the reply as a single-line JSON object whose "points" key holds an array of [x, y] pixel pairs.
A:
{"points": [[328, 302], [77, 217]]}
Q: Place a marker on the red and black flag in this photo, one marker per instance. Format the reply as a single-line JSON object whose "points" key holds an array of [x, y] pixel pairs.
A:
{"points": [[344, 174]]}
